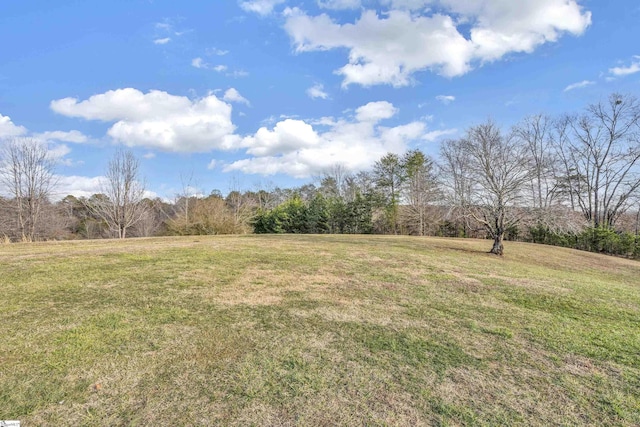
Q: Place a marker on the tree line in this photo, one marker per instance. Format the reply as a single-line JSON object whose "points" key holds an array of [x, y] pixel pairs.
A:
{"points": [[572, 180]]}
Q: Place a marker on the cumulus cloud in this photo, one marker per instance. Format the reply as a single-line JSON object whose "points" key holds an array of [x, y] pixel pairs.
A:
{"points": [[78, 186], [622, 71], [287, 136], [390, 47], [164, 40], [375, 111], [300, 149], [74, 136], [58, 152], [261, 7], [579, 85], [446, 99], [157, 119], [317, 91], [232, 95], [49, 140], [9, 129]]}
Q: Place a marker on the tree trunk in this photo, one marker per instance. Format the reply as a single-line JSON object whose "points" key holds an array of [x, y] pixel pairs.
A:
{"points": [[498, 248]]}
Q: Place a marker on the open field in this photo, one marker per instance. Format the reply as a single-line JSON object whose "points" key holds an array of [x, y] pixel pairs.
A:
{"points": [[316, 330]]}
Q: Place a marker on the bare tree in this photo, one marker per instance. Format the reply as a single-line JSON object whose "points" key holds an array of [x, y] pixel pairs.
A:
{"points": [[546, 201], [456, 181], [535, 133], [27, 173], [122, 205], [151, 220], [242, 206], [186, 200], [492, 178], [600, 153]]}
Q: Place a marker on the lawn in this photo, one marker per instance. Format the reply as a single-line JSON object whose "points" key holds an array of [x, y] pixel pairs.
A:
{"points": [[316, 330]]}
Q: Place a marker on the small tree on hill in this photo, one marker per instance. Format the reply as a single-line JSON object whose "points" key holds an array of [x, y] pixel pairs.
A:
{"points": [[495, 172], [27, 173], [121, 206]]}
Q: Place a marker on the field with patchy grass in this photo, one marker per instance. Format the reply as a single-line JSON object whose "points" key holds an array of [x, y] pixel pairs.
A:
{"points": [[316, 330]]}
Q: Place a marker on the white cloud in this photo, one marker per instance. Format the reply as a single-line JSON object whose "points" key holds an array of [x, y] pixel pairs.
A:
{"points": [[579, 85], [168, 27], [385, 50], [59, 152], [375, 111], [149, 155], [215, 51], [56, 152], [148, 194], [296, 148], [633, 68], [9, 129], [74, 136], [446, 99], [198, 63], [212, 164], [232, 95], [164, 40], [339, 4], [324, 121], [78, 186], [287, 136], [191, 191], [391, 47], [300, 148], [202, 64], [261, 7], [317, 91], [84, 186], [164, 26], [157, 120], [437, 134]]}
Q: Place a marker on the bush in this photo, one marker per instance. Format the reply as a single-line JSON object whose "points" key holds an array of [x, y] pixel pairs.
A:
{"points": [[600, 239]]}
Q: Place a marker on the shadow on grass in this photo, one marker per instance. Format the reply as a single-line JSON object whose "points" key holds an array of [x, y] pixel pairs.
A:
{"points": [[464, 250]]}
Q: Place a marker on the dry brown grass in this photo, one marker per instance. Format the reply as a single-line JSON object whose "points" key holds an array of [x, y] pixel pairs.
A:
{"points": [[317, 330]]}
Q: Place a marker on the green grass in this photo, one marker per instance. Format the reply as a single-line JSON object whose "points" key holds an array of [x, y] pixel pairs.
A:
{"points": [[317, 330]]}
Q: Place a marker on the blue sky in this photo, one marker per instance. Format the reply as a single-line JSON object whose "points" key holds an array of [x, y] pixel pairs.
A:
{"points": [[254, 93]]}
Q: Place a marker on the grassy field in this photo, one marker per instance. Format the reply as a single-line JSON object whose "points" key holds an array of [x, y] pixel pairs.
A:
{"points": [[316, 330]]}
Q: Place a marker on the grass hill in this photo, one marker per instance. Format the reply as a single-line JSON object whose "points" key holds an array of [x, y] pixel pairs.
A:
{"points": [[317, 330]]}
